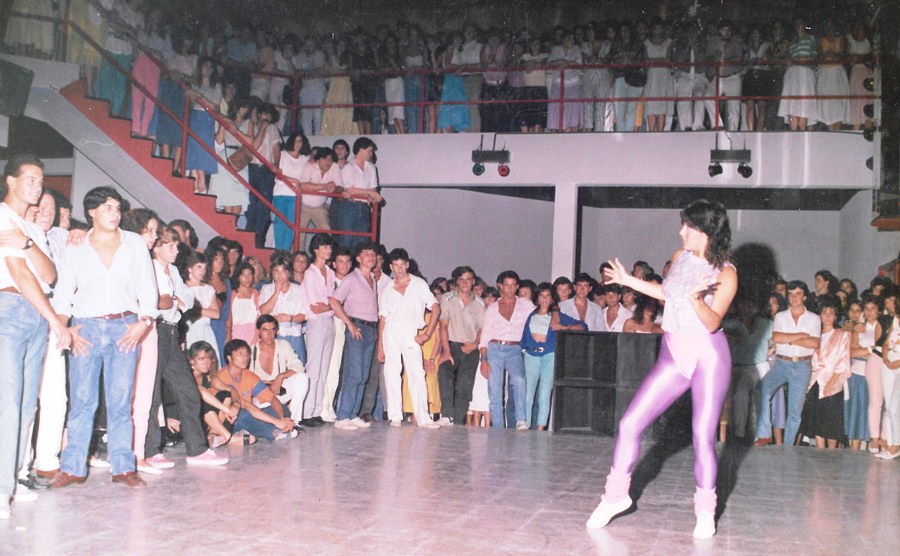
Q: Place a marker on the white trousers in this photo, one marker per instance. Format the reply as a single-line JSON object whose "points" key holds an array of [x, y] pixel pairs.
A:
{"points": [[690, 113], [319, 343], [730, 86], [333, 377], [296, 387], [402, 352], [52, 412], [889, 430]]}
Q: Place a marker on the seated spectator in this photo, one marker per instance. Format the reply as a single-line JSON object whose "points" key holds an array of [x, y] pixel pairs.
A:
{"points": [[643, 319], [218, 410], [269, 423], [275, 363], [539, 346]]}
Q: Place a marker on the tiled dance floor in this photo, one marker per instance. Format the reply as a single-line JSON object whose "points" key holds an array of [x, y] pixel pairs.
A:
{"points": [[459, 491]]}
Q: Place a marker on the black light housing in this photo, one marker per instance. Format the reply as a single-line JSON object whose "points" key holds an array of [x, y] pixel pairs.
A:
{"points": [[869, 110], [869, 84], [870, 163], [869, 134], [715, 169], [745, 170]]}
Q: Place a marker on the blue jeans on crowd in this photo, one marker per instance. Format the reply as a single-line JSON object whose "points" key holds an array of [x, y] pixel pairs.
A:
{"points": [[260, 429], [23, 341], [506, 359], [538, 379], [262, 180], [298, 343], [284, 235], [355, 371], [352, 216], [796, 375], [626, 110], [84, 387]]}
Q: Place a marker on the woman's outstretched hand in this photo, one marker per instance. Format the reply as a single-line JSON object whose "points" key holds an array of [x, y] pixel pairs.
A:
{"points": [[617, 274]]}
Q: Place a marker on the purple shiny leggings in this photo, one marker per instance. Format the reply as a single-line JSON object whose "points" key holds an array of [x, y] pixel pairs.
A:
{"points": [[699, 361]]}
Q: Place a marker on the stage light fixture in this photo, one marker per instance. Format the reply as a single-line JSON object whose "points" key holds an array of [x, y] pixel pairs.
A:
{"points": [[870, 163], [869, 84], [478, 169], [481, 156], [503, 170], [715, 169], [869, 134], [869, 110], [745, 170]]}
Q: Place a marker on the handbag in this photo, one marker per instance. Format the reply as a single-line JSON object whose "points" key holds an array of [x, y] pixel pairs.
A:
{"points": [[240, 158]]}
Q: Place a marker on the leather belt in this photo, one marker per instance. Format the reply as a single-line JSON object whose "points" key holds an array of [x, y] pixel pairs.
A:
{"points": [[535, 349], [505, 342], [794, 359], [360, 322], [115, 316]]}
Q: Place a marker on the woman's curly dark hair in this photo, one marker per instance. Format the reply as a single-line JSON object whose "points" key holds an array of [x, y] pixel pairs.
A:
{"points": [[711, 218]]}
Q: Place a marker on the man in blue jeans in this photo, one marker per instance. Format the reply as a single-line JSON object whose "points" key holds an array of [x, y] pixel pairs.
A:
{"points": [[355, 303], [501, 352], [796, 334], [107, 286], [25, 311]]}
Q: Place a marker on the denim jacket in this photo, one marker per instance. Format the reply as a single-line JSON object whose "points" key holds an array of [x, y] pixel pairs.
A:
{"points": [[528, 343]]}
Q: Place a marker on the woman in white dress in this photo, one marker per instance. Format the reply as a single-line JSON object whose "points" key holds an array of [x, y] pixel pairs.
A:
{"points": [[198, 318], [800, 79], [831, 79], [658, 48], [231, 195], [858, 48], [393, 86]]}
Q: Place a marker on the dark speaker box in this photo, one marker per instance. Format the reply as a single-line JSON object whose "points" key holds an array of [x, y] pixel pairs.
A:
{"points": [[15, 85]]}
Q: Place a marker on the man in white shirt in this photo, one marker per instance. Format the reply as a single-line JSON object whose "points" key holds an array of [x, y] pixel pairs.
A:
{"points": [[796, 334], [580, 307], [322, 177], [360, 190], [107, 286], [312, 89], [275, 363], [25, 272], [401, 312], [614, 314]]}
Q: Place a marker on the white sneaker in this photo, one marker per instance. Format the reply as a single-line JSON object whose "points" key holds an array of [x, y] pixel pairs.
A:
{"points": [[428, 424], [24, 494], [395, 423], [160, 461], [101, 463], [605, 511], [445, 422], [345, 425], [359, 423], [873, 450], [328, 418], [207, 458], [285, 435], [884, 454], [521, 426], [149, 469], [706, 526]]}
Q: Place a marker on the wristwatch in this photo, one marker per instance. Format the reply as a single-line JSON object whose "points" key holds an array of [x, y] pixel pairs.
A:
{"points": [[147, 321], [29, 243]]}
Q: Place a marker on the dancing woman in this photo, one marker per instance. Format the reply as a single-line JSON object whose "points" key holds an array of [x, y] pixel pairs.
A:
{"points": [[694, 355]]}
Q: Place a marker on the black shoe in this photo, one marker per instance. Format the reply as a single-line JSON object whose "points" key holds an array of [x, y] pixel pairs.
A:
{"points": [[319, 421], [309, 423], [366, 417], [34, 482]]}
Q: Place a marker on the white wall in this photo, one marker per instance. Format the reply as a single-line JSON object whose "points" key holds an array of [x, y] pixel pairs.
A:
{"points": [[445, 228], [803, 241]]}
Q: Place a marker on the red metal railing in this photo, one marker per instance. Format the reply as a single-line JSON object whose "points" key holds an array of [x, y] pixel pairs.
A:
{"points": [[183, 123]]}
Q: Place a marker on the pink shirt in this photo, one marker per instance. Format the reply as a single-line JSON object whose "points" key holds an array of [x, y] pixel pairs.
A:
{"points": [[358, 298], [498, 328], [310, 173], [317, 289]]}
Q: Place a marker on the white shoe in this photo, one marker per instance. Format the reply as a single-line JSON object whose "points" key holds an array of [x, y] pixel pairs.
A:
{"points": [[160, 461], [706, 526], [207, 458], [428, 424], [286, 435], [359, 423], [445, 422], [395, 423], [328, 418], [101, 463], [149, 469], [345, 425], [887, 455], [874, 450], [521, 426], [24, 494], [605, 511]]}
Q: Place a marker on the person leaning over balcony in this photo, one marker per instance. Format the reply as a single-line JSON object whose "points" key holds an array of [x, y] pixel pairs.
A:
{"points": [[26, 271], [453, 117], [658, 49], [757, 79], [690, 80], [562, 56], [533, 115], [726, 53], [321, 177], [495, 54], [232, 196], [831, 78], [800, 79], [629, 81], [106, 285], [469, 54], [294, 156], [312, 89], [360, 180], [500, 352], [268, 143], [198, 161]]}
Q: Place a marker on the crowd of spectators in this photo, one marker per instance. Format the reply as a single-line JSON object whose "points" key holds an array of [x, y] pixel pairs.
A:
{"points": [[594, 76], [235, 349]]}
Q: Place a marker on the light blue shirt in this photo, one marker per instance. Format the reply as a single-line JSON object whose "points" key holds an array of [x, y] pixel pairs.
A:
{"points": [[86, 288]]}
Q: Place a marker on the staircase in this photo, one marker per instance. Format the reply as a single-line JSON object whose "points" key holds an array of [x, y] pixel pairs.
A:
{"points": [[141, 151]]}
